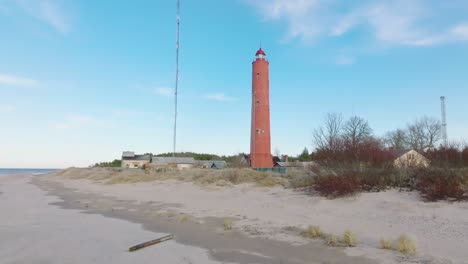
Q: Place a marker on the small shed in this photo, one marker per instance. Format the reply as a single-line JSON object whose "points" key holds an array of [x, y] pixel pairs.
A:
{"points": [[411, 158], [211, 164], [133, 161], [218, 164]]}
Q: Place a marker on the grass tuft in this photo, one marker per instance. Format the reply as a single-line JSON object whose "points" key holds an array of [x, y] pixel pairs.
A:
{"points": [[227, 224], [406, 245], [312, 232], [385, 244], [349, 239], [184, 219]]}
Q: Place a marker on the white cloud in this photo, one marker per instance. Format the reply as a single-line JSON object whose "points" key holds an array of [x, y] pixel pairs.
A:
{"points": [[164, 91], [389, 22], [49, 11], [12, 80], [74, 122], [344, 60], [460, 31], [344, 24], [299, 15], [219, 97]]}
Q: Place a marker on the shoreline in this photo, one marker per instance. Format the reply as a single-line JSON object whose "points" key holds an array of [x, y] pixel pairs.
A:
{"points": [[204, 232]]}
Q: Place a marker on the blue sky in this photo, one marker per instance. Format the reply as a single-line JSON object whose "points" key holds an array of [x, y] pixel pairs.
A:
{"points": [[81, 81]]}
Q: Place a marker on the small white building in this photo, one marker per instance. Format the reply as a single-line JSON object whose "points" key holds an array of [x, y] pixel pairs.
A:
{"points": [[411, 158], [132, 161]]}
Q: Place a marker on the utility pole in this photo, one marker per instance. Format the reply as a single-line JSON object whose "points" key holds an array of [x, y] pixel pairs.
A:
{"points": [[176, 76], [444, 121]]}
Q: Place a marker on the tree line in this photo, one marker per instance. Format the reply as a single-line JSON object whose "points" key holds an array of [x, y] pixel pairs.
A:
{"points": [[353, 140]]}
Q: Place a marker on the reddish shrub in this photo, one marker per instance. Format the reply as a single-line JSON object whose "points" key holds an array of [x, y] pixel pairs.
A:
{"points": [[336, 186], [443, 157], [374, 153], [440, 184], [465, 156], [377, 179]]}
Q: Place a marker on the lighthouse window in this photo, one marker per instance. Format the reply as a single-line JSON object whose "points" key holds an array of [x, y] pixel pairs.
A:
{"points": [[258, 75], [257, 103], [258, 131]]}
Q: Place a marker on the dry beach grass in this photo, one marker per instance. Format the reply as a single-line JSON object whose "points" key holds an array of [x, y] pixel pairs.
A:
{"points": [[225, 177]]}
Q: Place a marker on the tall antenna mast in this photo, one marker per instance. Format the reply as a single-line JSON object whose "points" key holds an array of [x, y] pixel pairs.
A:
{"points": [[444, 121], [176, 77]]}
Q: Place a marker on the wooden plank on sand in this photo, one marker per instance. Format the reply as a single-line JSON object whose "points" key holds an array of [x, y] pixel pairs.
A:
{"points": [[152, 242]]}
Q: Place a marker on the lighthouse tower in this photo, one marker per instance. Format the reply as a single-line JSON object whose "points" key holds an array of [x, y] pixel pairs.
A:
{"points": [[260, 150]]}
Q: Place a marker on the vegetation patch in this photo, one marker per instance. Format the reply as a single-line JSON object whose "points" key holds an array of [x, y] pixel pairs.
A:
{"points": [[349, 239], [433, 184], [337, 185], [406, 245], [312, 232], [227, 224], [224, 177], [442, 184], [184, 219]]}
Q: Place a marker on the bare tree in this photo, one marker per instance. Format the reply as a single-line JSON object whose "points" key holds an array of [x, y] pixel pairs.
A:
{"points": [[355, 131], [328, 137], [396, 140], [424, 133], [433, 131]]}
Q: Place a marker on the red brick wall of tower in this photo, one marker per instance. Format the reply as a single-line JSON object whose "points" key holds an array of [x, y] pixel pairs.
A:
{"points": [[260, 149]]}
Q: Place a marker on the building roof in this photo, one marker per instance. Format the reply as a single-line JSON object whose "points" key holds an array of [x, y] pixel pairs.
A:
{"points": [[137, 157], [295, 164], [276, 159], [176, 160], [403, 153], [281, 164], [260, 51], [218, 164], [128, 154]]}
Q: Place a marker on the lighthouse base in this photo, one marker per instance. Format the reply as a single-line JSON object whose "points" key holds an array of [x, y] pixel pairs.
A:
{"points": [[261, 161]]}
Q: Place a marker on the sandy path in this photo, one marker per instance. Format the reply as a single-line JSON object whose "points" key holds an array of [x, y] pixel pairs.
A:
{"points": [[440, 229], [32, 231]]}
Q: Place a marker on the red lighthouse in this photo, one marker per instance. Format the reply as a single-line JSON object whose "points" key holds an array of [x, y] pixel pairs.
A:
{"points": [[260, 150]]}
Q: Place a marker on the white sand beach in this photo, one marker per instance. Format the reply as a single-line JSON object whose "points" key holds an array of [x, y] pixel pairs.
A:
{"points": [[439, 229], [34, 231]]}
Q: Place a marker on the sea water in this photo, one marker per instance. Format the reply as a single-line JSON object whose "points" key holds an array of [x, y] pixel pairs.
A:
{"points": [[28, 171]]}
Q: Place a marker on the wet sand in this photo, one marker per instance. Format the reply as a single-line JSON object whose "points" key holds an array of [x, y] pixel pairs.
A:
{"points": [[33, 230]]}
